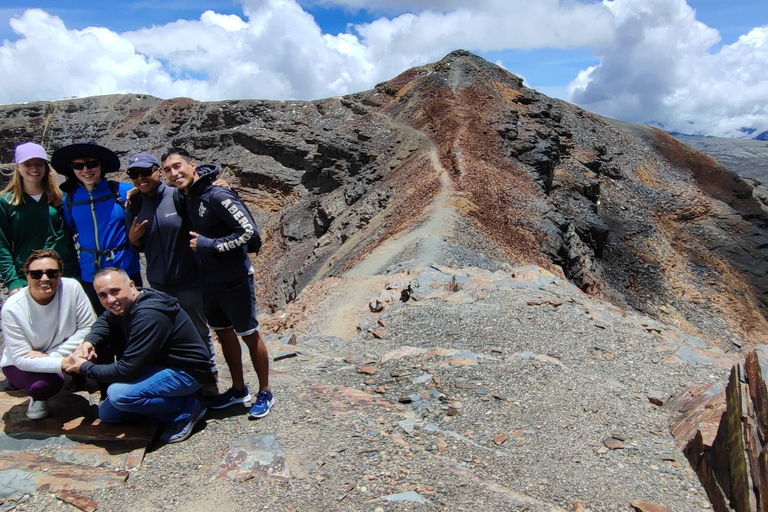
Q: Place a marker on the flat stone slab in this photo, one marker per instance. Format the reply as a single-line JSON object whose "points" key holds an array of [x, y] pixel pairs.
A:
{"points": [[71, 449], [27, 472], [254, 456]]}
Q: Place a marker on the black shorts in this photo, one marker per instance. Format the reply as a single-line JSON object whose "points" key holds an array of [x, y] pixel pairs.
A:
{"points": [[231, 304]]}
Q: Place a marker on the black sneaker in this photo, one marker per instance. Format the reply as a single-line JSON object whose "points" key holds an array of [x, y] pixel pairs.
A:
{"points": [[231, 396]]}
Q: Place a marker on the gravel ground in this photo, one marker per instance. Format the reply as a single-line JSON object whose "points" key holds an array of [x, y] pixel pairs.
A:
{"points": [[511, 411]]}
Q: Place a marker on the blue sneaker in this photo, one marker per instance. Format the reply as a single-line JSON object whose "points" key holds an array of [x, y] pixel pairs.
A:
{"points": [[264, 402], [183, 429], [231, 396]]}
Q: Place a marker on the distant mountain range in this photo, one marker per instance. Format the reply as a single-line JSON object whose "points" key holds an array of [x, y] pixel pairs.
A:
{"points": [[746, 157]]}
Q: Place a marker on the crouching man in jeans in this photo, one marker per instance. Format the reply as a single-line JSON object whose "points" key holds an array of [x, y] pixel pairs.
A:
{"points": [[161, 359]]}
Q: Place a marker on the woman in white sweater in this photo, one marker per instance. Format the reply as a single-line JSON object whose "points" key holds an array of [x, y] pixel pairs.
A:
{"points": [[42, 324]]}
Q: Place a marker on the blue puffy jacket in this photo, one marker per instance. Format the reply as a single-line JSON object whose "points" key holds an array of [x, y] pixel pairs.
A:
{"points": [[98, 219]]}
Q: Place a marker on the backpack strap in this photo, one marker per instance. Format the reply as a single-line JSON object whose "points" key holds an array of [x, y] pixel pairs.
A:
{"points": [[109, 254], [180, 203]]}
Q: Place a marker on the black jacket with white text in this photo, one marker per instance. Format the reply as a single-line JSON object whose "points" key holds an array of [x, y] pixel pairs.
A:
{"points": [[224, 226]]}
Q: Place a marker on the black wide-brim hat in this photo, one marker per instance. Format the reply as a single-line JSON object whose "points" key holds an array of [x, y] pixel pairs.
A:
{"points": [[62, 158]]}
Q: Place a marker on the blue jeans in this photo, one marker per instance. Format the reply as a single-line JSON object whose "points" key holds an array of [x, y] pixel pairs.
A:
{"points": [[164, 394]]}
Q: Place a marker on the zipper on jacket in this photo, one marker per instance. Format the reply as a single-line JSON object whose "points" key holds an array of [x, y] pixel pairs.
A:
{"points": [[95, 231]]}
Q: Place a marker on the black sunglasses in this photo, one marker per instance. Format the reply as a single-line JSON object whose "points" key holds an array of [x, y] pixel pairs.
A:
{"points": [[91, 164], [52, 273], [135, 172]]}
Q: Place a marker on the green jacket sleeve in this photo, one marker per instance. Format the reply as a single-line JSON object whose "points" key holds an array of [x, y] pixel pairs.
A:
{"points": [[7, 264]]}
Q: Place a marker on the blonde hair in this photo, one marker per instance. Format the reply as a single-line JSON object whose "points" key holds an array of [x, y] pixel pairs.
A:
{"points": [[16, 188]]}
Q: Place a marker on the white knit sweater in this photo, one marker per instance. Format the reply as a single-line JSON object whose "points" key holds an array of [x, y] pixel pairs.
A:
{"points": [[55, 329]]}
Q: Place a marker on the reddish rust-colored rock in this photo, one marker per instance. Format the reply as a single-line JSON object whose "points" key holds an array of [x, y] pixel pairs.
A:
{"points": [[79, 500], [368, 370], [499, 439], [645, 506], [722, 433], [379, 333]]}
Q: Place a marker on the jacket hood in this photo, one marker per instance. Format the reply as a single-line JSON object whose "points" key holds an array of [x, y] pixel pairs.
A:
{"points": [[206, 175], [208, 171], [153, 299]]}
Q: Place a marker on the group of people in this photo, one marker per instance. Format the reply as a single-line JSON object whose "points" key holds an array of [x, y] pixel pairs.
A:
{"points": [[150, 348]]}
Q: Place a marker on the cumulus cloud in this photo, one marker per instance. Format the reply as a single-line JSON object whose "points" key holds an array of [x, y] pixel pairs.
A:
{"points": [[276, 49], [659, 70]]}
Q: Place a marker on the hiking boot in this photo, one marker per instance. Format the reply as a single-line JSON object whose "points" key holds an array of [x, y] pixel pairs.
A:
{"points": [[231, 396], [37, 409], [181, 430], [264, 402]]}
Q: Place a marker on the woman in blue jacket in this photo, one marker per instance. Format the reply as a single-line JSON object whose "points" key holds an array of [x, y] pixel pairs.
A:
{"points": [[93, 211]]}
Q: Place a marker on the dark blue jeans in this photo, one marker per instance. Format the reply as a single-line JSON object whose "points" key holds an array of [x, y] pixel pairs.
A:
{"points": [[164, 394]]}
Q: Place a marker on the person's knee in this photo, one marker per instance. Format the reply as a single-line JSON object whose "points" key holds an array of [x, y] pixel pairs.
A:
{"points": [[121, 396], [253, 340], [46, 387]]}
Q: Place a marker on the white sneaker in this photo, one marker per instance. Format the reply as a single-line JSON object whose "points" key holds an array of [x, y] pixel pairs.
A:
{"points": [[38, 409]]}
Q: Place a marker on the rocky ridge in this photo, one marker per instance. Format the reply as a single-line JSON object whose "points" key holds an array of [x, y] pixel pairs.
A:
{"points": [[476, 382], [625, 212]]}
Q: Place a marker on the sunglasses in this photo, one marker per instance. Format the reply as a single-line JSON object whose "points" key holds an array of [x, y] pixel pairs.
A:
{"points": [[135, 172], [52, 273], [91, 164]]}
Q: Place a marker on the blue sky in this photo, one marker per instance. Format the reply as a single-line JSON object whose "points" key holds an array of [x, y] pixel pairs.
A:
{"points": [[661, 62]]}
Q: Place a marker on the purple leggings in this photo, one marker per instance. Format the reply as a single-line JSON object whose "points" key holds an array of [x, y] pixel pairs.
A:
{"points": [[40, 386]]}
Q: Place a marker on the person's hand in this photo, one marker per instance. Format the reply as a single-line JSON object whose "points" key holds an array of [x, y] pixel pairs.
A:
{"points": [[33, 354], [85, 351], [136, 233], [66, 362], [129, 195], [221, 183], [72, 363], [193, 240], [15, 290]]}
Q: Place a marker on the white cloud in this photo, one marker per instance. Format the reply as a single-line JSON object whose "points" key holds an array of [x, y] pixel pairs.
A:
{"points": [[276, 49], [659, 69]]}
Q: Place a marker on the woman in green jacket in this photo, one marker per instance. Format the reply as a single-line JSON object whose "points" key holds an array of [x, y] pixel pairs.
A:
{"points": [[30, 217]]}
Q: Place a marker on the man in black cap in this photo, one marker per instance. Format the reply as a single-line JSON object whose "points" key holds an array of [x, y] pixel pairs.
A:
{"points": [[158, 227], [93, 210]]}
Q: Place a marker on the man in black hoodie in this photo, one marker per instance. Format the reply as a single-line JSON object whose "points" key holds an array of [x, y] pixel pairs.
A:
{"points": [[221, 229], [161, 359]]}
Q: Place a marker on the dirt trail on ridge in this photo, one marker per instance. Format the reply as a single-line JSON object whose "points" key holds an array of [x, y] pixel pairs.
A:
{"points": [[349, 301]]}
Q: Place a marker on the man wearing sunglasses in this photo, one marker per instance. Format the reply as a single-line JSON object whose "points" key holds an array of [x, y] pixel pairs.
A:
{"points": [[158, 226], [93, 211]]}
